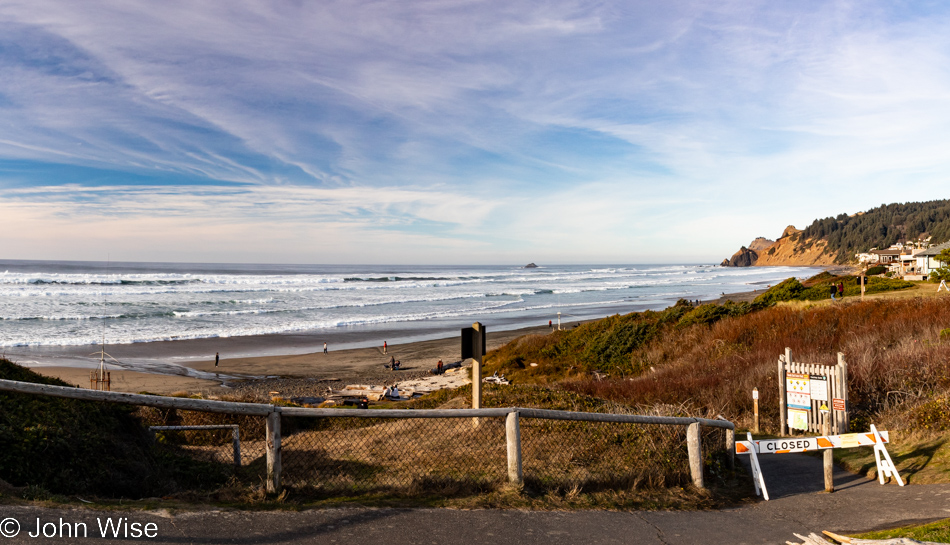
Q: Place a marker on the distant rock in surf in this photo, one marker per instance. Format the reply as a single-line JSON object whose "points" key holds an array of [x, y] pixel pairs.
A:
{"points": [[530, 266]]}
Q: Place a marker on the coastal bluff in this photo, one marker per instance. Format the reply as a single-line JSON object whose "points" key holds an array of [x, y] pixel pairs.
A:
{"points": [[790, 249]]}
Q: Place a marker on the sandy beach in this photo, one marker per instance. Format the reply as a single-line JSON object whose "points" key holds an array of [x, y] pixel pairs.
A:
{"points": [[295, 374]]}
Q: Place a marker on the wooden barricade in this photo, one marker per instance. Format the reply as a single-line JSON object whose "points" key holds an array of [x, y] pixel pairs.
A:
{"points": [[836, 380]]}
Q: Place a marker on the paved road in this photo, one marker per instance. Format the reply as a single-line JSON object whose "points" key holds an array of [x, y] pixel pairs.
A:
{"points": [[798, 505]]}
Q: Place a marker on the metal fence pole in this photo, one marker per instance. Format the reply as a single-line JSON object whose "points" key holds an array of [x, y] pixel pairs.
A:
{"points": [[513, 436], [236, 441], [694, 444], [273, 452]]}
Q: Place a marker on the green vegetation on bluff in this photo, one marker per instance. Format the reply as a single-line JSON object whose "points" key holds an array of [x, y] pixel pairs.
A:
{"points": [[818, 287], [880, 227], [67, 446], [615, 345], [603, 345]]}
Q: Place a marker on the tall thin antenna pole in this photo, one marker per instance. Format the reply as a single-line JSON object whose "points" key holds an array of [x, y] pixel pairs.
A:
{"points": [[101, 380]]}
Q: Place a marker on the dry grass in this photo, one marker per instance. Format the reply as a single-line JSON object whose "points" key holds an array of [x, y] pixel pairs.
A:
{"points": [[893, 348]]}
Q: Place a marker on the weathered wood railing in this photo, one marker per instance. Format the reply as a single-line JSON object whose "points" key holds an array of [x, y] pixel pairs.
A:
{"points": [[512, 417]]}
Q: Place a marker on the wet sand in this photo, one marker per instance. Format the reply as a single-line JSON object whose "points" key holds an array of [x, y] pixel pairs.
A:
{"points": [[357, 365], [131, 381]]}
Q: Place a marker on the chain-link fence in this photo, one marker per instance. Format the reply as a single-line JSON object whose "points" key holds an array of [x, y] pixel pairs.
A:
{"points": [[333, 452], [599, 455], [343, 455]]}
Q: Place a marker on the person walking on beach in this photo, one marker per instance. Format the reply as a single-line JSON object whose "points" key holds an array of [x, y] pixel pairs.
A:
{"points": [[217, 358], [324, 347], [385, 347], [841, 290], [834, 290]]}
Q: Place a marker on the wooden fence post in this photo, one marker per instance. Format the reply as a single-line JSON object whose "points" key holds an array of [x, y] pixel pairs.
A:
{"points": [[782, 412], [730, 448], [694, 444], [273, 452], [843, 381], [513, 436], [828, 455]]}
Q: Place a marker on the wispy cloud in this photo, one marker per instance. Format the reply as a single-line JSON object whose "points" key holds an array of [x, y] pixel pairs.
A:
{"points": [[583, 130]]}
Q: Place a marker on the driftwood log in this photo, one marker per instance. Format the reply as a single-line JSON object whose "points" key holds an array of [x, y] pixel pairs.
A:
{"points": [[815, 539]]}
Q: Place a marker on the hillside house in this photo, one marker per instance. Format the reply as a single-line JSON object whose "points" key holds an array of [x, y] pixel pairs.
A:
{"points": [[886, 257], [927, 262]]}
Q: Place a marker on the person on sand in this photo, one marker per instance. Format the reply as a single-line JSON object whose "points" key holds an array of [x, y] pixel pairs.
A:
{"points": [[840, 290], [385, 347], [834, 290], [550, 324], [217, 358], [439, 366], [324, 347], [392, 362]]}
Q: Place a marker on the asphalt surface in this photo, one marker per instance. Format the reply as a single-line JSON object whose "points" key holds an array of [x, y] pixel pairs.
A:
{"points": [[798, 505]]}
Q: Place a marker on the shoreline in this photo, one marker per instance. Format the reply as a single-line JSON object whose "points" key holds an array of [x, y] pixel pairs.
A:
{"points": [[301, 372], [188, 365]]}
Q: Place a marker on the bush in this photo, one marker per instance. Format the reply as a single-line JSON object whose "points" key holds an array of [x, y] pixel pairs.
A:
{"points": [[876, 270], [787, 290], [939, 275], [943, 273]]}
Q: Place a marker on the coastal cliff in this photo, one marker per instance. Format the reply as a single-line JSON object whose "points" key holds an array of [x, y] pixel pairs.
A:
{"points": [[791, 249], [836, 240]]}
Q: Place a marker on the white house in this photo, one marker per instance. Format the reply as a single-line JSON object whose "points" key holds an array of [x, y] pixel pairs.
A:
{"points": [[926, 262]]}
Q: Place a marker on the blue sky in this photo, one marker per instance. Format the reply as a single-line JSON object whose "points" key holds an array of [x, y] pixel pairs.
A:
{"points": [[459, 131]]}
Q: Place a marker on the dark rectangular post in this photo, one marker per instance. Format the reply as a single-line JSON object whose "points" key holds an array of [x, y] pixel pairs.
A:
{"points": [[473, 346]]}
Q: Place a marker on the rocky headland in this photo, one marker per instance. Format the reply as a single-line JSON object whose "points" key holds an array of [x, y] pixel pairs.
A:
{"points": [[788, 250]]}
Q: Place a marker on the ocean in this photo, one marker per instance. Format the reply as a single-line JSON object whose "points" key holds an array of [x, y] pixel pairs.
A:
{"points": [[50, 304]]}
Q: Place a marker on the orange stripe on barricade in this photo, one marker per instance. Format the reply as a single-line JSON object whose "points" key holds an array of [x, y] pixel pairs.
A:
{"points": [[825, 443]]}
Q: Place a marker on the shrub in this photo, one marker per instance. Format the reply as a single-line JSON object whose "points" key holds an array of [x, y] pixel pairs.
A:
{"points": [[787, 290], [876, 270], [932, 415]]}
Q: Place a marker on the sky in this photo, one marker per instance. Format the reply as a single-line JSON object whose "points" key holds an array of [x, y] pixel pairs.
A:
{"points": [[459, 132]]}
